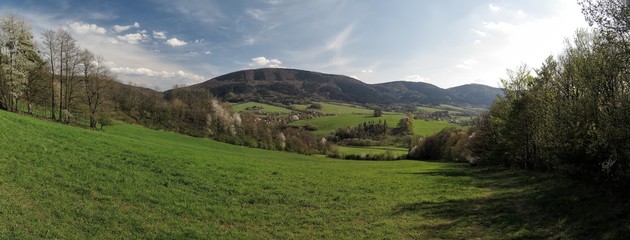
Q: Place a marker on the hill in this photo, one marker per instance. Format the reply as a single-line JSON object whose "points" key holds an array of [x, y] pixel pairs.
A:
{"points": [[281, 85], [63, 182], [294, 86], [475, 94]]}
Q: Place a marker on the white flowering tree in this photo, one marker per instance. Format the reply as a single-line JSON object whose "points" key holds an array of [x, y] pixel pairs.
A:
{"points": [[17, 57]]}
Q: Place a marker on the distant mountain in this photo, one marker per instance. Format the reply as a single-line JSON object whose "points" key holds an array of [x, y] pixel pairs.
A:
{"points": [[413, 92], [475, 94], [292, 85]]}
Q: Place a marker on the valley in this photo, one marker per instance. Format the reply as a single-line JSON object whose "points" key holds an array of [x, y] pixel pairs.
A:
{"points": [[131, 182]]}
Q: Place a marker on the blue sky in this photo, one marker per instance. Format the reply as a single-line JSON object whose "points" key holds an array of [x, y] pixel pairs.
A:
{"points": [[160, 43]]}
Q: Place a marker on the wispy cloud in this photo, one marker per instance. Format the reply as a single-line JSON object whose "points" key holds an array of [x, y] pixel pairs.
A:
{"points": [[256, 14], [340, 40], [153, 73]]}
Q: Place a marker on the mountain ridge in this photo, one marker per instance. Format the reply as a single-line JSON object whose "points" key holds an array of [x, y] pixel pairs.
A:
{"points": [[295, 85]]}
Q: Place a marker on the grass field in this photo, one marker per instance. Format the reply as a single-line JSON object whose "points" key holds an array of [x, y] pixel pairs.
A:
{"points": [[266, 108], [345, 150], [325, 125], [337, 108], [128, 182], [426, 128]]}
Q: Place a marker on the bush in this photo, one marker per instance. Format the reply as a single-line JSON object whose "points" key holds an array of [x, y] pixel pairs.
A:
{"points": [[315, 106], [386, 156], [377, 113], [104, 120], [450, 144]]}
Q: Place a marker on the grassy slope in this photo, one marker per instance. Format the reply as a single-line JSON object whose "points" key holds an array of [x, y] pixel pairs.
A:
{"points": [[338, 108], [325, 125], [266, 107], [371, 150], [130, 182]]}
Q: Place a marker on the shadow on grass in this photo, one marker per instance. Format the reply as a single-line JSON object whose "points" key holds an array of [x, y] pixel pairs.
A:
{"points": [[524, 205]]}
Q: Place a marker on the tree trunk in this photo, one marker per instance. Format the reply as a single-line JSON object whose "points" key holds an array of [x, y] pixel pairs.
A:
{"points": [[92, 120]]}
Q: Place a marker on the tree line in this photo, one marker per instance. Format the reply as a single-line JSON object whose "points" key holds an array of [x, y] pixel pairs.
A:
{"points": [[570, 115], [59, 73]]}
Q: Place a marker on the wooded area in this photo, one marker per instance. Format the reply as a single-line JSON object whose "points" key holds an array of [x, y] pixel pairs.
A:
{"points": [[570, 115]]}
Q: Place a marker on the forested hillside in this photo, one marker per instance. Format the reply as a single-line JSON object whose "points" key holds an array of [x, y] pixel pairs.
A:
{"points": [[299, 86]]}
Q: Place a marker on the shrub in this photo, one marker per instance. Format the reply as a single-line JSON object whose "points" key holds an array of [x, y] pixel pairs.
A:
{"points": [[315, 106], [450, 144]]}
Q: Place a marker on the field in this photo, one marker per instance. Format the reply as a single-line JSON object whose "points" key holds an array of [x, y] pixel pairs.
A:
{"points": [[371, 150], [266, 108], [325, 125], [130, 182], [336, 108]]}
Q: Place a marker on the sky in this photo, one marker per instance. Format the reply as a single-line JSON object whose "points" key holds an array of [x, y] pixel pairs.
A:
{"points": [[162, 43]]}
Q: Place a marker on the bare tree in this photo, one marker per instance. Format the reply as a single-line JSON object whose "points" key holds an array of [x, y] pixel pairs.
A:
{"points": [[52, 55], [67, 45], [95, 77]]}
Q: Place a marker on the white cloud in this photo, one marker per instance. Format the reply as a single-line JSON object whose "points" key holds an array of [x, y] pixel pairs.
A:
{"points": [[521, 13], [119, 28], [174, 42], [133, 38], [467, 65], [199, 40], [264, 62], [159, 35], [207, 52], [367, 71], [494, 8], [480, 33], [83, 28], [160, 74], [416, 78]]}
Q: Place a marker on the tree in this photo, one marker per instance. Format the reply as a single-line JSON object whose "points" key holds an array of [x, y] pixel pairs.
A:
{"points": [[377, 113], [405, 126], [95, 78], [35, 89], [51, 54], [68, 61], [17, 55]]}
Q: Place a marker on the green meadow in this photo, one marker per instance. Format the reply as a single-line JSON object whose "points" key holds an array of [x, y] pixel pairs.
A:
{"points": [[129, 182], [345, 150], [266, 108], [325, 125], [337, 108]]}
